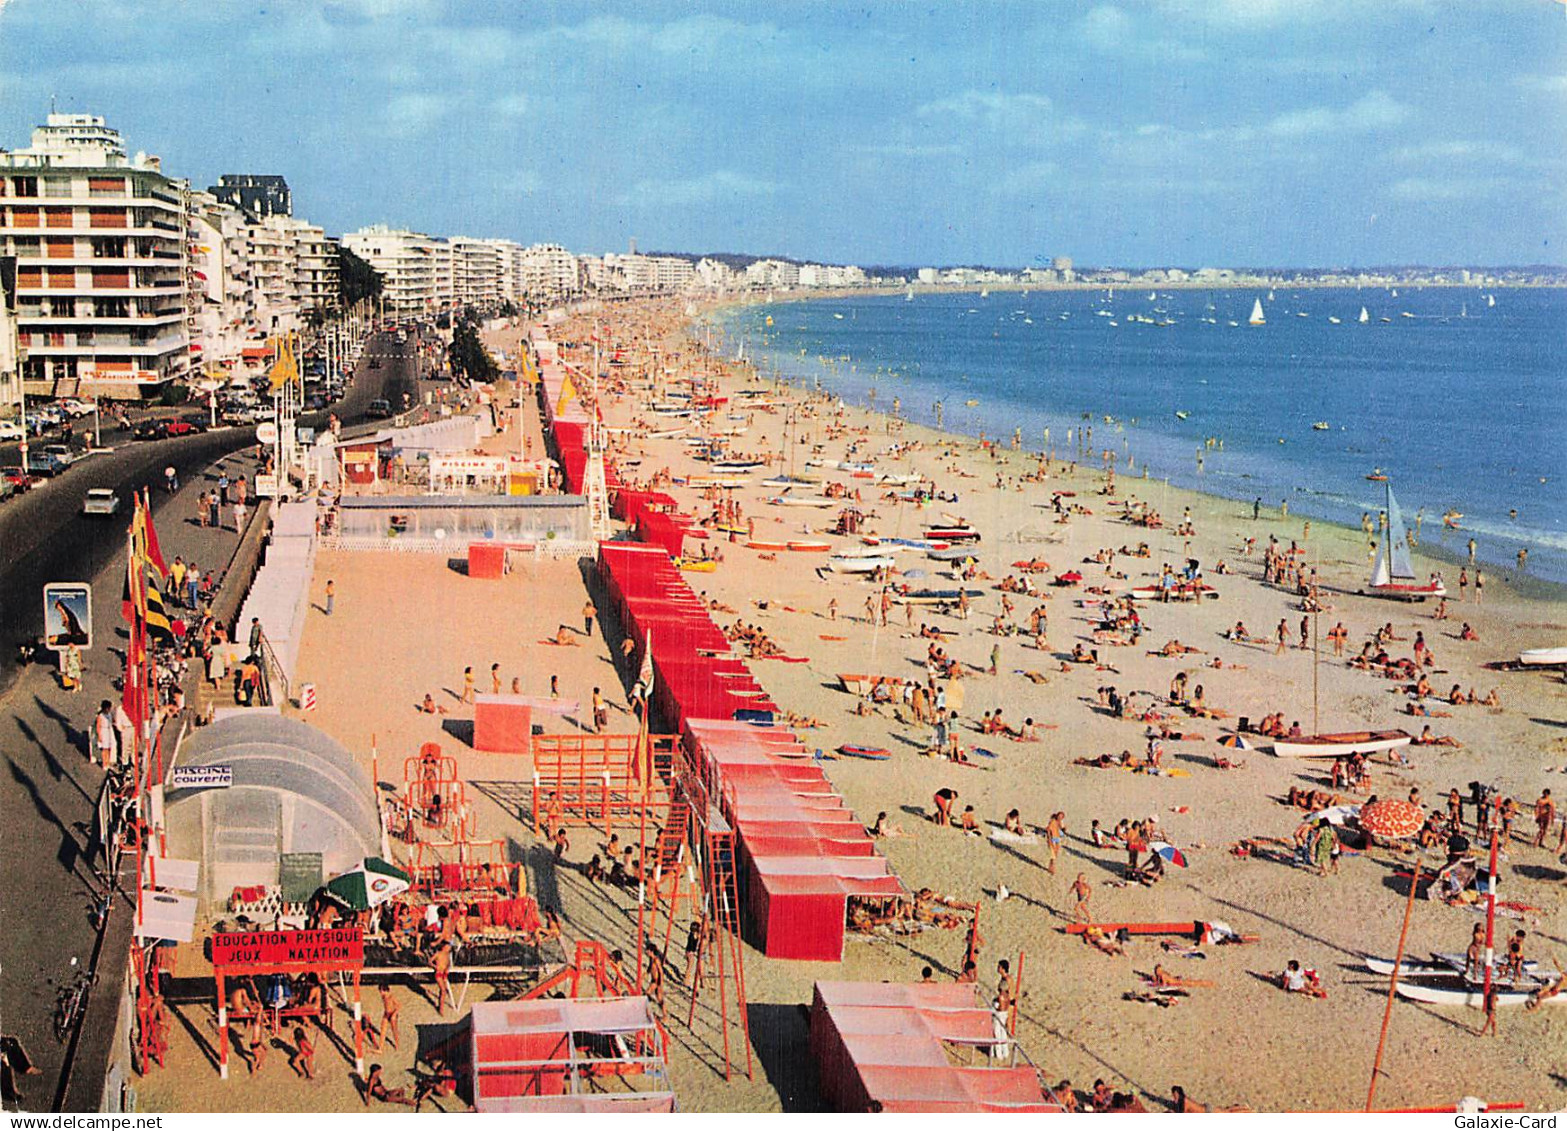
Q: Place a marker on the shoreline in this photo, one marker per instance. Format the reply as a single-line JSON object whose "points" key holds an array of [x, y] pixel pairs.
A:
{"points": [[1451, 559]]}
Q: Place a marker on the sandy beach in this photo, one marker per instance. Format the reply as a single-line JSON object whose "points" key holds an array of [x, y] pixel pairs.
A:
{"points": [[408, 624], [1074, 1021]]}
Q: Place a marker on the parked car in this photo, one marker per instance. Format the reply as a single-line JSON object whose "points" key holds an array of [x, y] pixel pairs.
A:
{"points": [[63, 452], [101, 501], [16, 477], [11, 430], [74, 406], [379, 409], [182, 427], [151, 430]]}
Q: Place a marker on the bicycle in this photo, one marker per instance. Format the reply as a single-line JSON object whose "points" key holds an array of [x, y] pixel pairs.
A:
{"points": [[71, 1002]]}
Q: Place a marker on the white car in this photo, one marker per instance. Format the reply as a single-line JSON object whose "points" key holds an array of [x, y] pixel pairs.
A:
{"points": [[101, 500], [77, 408], [11, 430]]}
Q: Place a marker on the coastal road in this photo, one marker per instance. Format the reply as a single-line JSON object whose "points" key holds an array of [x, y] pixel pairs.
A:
{"points": [[48, 786]]}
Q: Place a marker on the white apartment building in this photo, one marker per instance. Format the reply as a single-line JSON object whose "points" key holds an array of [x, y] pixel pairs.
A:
{"points": [[100, 241], [773, 274], [10, 376], [713, 275], [477, 271], [549, 269], [316, 269], [409, 266]]}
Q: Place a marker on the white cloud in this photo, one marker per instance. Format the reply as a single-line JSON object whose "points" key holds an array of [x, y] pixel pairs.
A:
{"points": [[910, 149], [1544, 84], [721, 185], [1460, 150], [511, 105], [1034, 177], [1430, 190], [1110, 30], [410, 115], [1014, 119], [1375, 111]]}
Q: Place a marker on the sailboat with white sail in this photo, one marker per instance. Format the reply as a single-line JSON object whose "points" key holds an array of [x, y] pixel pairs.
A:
{"points": [[1364, 317], [1392, 575], [1257, 318]]}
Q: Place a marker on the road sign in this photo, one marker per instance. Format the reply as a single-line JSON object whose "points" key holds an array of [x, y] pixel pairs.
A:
{"points": [[67, 615], [266, 432], [201, 777]]}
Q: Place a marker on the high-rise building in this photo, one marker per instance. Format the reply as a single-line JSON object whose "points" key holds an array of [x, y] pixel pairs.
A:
{"points": [[408, 263], [99, 238], [260, 194], [549, 269]]}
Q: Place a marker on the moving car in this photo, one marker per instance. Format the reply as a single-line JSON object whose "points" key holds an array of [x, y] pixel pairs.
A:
{"points": [[11, 430], [74, 406], [43, 463], [101, 500], [151, 430], [379, 409], [16, 477], [182, 428]]}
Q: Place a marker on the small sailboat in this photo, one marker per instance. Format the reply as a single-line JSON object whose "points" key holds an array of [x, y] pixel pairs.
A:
{"points": [[1257, 318], [1270, 296], [984, 292], [1392, 575], [1333, 320], [1182, 415], [1364, 317], [908, 296], [1490, 300], [1321, 426]]}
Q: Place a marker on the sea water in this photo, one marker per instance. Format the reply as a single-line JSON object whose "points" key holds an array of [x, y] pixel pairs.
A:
{"points": [[1462, 405]]}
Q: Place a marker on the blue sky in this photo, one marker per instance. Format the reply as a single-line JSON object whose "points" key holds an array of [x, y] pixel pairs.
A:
{"points": [[1192, 132]]}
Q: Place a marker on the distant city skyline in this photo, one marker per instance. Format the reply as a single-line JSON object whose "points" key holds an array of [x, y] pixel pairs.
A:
{"points": [[1339, 133]]}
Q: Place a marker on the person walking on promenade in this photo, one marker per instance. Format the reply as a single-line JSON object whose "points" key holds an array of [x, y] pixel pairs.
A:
{"points": [[103, 733], [331, 596], [239, 516], [192, 586], [255, 635], [467, 684]]}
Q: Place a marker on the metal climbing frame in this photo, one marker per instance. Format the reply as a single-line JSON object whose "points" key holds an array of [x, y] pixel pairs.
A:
{"points": [[696, 864], [591, 779]]}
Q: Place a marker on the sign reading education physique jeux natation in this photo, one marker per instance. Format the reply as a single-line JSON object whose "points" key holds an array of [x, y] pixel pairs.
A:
{"points": [[342, 948]]}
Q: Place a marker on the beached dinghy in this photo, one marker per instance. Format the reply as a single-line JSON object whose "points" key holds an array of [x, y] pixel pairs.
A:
{"points": [[950, 554], [1443, 966], [1341, 745], [858, 565], [1392, 575], [787, 500], [787, 481], [952, 533], [933, 596], [666, 433], [1472, 996], [1543, 657], [732, 465], [810, 547]]}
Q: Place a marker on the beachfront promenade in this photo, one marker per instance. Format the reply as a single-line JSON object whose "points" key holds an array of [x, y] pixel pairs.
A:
{"points": [[405, 626]]}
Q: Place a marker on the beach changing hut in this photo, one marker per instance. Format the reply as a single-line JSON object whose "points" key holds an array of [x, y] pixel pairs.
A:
{"points": [[887, 1047], [567, 1055]]}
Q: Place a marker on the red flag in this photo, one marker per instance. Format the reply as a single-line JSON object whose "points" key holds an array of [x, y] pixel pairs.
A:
{"points": [[155, 560]]}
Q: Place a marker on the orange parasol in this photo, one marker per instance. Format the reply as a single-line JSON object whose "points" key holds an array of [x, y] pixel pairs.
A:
{"points": [[1392, 819]]}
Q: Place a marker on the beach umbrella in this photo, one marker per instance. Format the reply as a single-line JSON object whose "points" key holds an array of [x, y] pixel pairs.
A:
{"points": [[1234, 742], [1169, 852], [1392, 819], [369, 884]]}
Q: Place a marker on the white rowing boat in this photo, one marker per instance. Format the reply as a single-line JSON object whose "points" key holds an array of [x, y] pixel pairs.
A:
{"points": [[1342, 744], [1472, 996], [1446, 966], [801, 501], [858, 565], [1543, 657]]}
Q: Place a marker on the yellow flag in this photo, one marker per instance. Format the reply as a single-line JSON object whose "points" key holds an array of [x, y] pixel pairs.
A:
{"points": [[284, 371], [567, 391]]}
